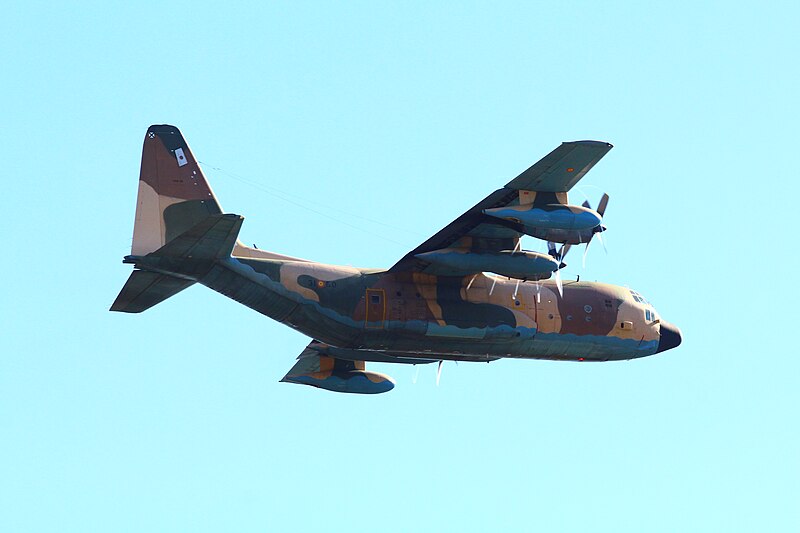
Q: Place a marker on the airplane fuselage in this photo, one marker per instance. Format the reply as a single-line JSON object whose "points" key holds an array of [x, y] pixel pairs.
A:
{"points": [[479, 317]]}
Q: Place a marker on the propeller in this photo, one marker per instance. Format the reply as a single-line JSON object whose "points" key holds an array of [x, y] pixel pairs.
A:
{"points": [[558, 255], [601, 210], [601, 207], [559, 284], [602, 241], [439, 372]]}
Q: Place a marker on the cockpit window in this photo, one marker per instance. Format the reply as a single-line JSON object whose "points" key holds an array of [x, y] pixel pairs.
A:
{"points": [[639, 298]]}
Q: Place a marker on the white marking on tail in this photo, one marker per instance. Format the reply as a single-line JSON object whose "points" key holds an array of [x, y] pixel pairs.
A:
{"points": [[181, 158]]}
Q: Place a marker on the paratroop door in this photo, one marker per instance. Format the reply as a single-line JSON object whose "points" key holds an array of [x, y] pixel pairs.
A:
{"points": [[376, 308]]}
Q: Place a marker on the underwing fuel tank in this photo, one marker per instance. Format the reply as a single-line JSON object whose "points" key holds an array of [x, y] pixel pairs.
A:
{"points": [[512, 264], [552, 216]]}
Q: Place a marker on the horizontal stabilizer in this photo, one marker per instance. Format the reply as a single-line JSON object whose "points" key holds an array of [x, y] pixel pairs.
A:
{"points": [[213, 238], [145, 289], [190, 252]]}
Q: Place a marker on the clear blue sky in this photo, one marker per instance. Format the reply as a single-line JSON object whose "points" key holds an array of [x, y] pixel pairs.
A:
{"points": [[407, 113]]}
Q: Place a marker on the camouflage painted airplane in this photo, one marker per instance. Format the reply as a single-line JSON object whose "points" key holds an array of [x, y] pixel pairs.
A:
{"points": [[469, 293]]}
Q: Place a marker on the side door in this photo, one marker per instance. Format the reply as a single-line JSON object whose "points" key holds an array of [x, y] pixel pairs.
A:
{"points": [[548, 319]]}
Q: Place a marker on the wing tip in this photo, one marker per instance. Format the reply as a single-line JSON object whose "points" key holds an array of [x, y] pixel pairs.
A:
{"points": [[589, 142]]}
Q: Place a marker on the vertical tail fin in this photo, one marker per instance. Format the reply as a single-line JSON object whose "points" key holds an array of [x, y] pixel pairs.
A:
{"points": [[179, 230], [173, 192], [173, 198]]}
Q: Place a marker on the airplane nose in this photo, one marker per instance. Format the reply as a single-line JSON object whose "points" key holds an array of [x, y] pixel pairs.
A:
{"points": [[670, 337]]}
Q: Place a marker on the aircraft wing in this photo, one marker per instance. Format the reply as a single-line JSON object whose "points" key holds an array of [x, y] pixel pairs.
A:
{"points": [[317, 368], [555, 173]]}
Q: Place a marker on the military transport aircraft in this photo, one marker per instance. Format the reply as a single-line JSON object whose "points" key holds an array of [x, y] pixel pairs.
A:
{"points": [[469, 293]]}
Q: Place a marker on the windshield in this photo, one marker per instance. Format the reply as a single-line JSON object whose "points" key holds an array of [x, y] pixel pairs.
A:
{"points": [[639, 298]]}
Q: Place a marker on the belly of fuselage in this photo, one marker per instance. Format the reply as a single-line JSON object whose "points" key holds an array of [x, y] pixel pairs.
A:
{"points": [[523, 343]]}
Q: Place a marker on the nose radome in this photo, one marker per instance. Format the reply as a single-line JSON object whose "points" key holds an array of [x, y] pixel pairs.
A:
{"points": [[670, 337]]}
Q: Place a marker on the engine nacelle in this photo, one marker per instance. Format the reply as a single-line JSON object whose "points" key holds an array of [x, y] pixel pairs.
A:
{"points": [[552, 216], [518, 265]]}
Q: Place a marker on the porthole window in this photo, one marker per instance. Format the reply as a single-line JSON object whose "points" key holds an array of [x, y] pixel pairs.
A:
{"points": [[587, 308], [588, 319], [569, 317]]}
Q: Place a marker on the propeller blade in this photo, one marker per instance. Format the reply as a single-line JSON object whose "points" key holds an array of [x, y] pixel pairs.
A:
{"points": [[416, 374], [439, 372], [601, 208], [600, 238], [559, 284], [565, 250], [586, 251], [551, 249], [586, 204]]}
